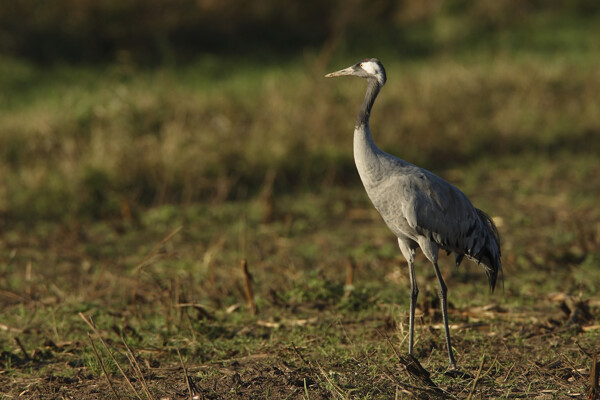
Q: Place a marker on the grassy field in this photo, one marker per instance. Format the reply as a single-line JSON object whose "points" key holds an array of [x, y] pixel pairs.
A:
{"points": [[129, 197]]}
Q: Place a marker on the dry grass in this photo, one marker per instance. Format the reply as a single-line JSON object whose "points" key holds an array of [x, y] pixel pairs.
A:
{"points": [[189, 296], [149, 138]]}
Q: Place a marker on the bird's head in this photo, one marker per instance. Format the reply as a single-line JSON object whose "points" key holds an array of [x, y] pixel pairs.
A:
{"points": [[369, 68]]}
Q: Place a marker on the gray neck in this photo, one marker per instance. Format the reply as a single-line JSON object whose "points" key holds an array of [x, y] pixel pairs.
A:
{"points": [[365, 151], [373, 88]]}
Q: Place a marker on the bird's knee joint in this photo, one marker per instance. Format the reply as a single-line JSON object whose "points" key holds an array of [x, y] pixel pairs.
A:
{"points": [[414, 292], [443, 290]]}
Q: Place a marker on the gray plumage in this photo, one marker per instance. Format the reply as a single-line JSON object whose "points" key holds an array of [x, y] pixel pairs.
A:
{"points": [[421, 209]]}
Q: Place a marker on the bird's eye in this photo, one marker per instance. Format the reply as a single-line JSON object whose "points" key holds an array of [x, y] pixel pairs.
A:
{"points": [[361, 65]]}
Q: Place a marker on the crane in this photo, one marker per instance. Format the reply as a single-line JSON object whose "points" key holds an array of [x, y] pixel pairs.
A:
{"points": [[423, 210]]}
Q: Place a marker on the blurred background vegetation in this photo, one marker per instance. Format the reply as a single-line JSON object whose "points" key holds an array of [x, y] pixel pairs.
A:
{"points": [[155, 32], [109, 106], [122, 121]]}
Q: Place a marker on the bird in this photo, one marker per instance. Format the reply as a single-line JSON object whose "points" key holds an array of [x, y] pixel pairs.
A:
{"points": [[423, 210]]}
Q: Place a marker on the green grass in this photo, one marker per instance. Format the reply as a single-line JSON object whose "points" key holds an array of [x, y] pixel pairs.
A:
{"points": [[100, 165]]}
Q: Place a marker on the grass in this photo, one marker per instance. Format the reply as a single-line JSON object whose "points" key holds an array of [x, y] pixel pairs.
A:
{"points": [[94, 142], [131, 196], [189, 296]]}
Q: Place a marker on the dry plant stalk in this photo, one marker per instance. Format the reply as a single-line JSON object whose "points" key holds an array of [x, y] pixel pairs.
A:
{"points": [[336, 389], [28, 276], [136, 368], [91, 325], [594, 379], [112, 388], [349, 286], [350, 268], [476, 378], [22, 348], [155, 249], [185, 374], [266, 195], [248, 287]]}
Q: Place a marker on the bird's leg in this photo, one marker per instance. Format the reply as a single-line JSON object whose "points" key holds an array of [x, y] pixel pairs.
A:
{"points": [[444, 303], [414, 293], [408, 252]]}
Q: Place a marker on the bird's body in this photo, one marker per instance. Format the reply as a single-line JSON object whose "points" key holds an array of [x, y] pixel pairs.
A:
{"points": [[423, 210], [417, 205]]}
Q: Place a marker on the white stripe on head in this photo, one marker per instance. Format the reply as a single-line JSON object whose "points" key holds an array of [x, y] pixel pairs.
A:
{"points": [[373, 68], [370, 67]]}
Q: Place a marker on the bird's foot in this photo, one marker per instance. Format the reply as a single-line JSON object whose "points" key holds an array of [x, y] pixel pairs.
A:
{"points": [[454, 372]]}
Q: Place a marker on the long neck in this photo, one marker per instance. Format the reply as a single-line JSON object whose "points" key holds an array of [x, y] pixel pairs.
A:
{"points": [[366, 153], [373, 88]]}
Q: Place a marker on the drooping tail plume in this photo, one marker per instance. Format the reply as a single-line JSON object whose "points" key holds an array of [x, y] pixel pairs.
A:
{"points": [[489, 255]]}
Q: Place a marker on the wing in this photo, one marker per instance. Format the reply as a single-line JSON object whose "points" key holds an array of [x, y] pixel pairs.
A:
{"points": [[439, 211]]}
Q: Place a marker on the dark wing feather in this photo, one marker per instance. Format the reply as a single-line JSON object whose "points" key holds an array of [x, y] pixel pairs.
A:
{"points": [[439, 211]]}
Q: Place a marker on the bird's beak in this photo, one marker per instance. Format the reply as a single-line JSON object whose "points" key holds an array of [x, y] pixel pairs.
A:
{"points": [[341, 72]]}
